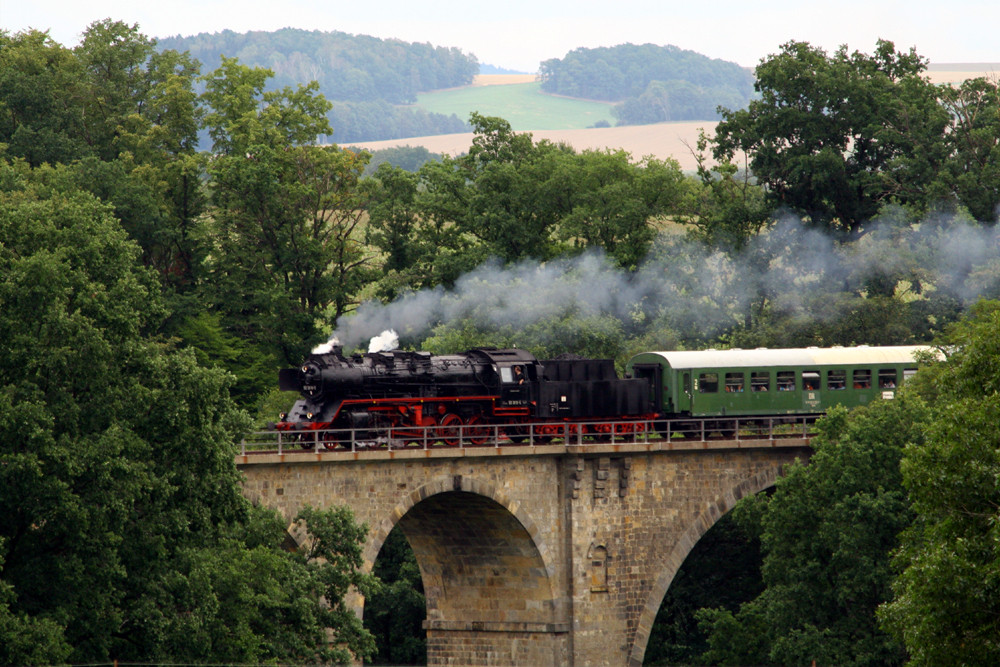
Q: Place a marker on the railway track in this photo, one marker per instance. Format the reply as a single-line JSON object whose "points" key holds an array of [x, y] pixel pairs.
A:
{"points": [[568, 434]]}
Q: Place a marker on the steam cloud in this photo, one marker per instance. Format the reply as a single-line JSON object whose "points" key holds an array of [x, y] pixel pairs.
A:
{"points": [[385, 341], [790, 262]]}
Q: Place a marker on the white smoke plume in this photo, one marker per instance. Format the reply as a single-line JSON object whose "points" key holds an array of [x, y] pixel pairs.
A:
{"points": [[327, 347], [790, 263], [385, 341]]}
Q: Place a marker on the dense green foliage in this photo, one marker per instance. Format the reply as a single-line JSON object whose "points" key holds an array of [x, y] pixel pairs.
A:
{"points": [[395, 614], [347, 67], [881, 550], [824, 574], [377, 120], [945, 609], [653, 83], [364, 76], [124, 533], [407, 158], [834, 137]]}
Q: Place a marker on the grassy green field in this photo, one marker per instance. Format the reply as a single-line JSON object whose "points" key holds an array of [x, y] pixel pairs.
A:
{"points": [[524, 105]]}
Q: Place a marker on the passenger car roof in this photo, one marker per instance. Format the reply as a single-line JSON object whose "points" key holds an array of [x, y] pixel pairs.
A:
{"points": [[798, 357]]}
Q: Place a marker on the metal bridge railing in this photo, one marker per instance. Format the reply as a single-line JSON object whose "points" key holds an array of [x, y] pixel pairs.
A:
{"points": [[478, 436]]}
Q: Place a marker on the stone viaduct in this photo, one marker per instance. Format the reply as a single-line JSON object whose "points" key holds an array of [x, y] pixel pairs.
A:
{"points": [[533, 555]]}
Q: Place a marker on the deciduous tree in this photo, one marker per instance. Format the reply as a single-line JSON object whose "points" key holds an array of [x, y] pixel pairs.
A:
{"points": [[946, 605], [826, 130]]}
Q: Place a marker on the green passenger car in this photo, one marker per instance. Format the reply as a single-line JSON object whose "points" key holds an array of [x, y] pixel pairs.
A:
{"points": [[772, 382]]}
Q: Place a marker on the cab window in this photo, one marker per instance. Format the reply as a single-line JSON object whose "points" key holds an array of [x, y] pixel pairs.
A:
{"points": [[734, 383], [708, 383]]}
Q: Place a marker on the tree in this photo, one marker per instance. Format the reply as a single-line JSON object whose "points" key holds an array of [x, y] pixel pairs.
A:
{"points": [[114, 57], [41, 92], [972, 171], [289, 252], [613, 202], [123, 531], [396, 613], [505, 206], [945, 608], [242, 114], [827, 130], [828, 534]]}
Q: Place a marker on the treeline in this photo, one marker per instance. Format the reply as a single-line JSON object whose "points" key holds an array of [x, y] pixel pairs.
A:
{"points": [[651, 83], [374, 121], [350, 68], [367, 78], [149, 292]]}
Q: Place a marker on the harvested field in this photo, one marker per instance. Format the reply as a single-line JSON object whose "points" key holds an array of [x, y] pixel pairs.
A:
{"points": [[663, 140]]}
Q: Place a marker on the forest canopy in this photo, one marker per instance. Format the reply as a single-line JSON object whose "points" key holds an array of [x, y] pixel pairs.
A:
{"points": [[365, 77]]}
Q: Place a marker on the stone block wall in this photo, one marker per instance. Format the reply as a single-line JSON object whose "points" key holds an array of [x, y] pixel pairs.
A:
{"points": [[546, 555]]}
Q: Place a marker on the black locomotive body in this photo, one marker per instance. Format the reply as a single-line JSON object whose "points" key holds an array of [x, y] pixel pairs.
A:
{"points": [[413, 396]]}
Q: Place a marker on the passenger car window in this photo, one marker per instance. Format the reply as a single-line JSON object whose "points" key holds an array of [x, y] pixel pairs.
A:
{"points": [[734, 383], [887, 378], [760, 381], [810, 380], [862, 379], [786, 380], [708, 383], [836, 380]]}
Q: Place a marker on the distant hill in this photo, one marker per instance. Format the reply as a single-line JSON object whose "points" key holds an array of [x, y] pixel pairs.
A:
{"points": [[366, 78], [355, 68], [386, 88], [651, 83]]}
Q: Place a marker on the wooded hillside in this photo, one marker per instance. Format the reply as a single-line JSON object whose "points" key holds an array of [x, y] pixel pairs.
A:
{"points": [[652, 83], [364, 76]]}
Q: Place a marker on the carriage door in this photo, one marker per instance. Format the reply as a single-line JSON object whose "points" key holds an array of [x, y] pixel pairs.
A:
{"points": [[685, 400], [654, 374], [514, 385]]}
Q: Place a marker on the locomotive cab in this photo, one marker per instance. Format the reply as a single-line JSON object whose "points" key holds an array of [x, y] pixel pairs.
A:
{"points": [[516, 381]]}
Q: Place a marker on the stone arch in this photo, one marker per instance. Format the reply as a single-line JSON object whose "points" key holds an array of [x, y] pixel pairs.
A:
{"points": [[673, 561], [475, 547]]}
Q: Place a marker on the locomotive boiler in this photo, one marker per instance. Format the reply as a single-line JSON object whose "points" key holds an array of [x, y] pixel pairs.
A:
{"points": [[413, 396]]}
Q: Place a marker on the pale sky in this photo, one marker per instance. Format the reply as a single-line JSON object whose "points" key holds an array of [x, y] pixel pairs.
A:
{"points": [[519, 34]]}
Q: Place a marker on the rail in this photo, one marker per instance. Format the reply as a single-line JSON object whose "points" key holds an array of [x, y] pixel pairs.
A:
{"points": [[464, 436]]}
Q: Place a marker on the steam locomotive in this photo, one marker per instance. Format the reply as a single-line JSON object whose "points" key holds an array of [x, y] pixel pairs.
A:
{"points": [[462, 396], [415, 396]]}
